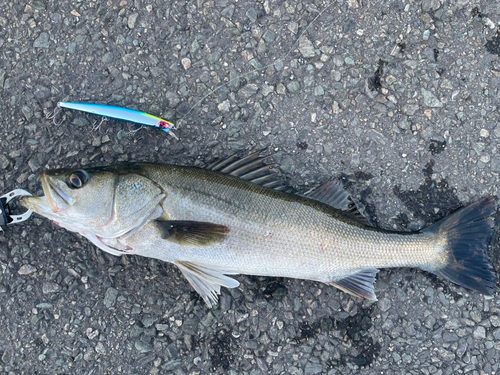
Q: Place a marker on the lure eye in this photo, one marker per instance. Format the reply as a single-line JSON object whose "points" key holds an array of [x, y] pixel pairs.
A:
{"points": [[164, 125], [77, 179]]}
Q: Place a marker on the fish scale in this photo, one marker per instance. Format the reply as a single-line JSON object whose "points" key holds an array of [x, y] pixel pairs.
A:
{"points": [[249, 245], [220, 221]]}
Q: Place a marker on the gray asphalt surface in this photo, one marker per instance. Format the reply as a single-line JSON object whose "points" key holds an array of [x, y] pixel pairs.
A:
{"points": [[400, 97]]}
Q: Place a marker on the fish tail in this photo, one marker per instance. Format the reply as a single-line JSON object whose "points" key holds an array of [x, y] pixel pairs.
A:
{"points": [[463, 238]]}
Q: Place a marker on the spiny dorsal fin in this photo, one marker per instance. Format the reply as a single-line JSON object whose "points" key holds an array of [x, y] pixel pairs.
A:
{"points": [[333, 194], [359, 285], [251, 168], [192, 233]]}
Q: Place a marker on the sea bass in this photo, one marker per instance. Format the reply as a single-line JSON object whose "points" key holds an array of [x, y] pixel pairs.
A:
{"points": [[232, 218]]}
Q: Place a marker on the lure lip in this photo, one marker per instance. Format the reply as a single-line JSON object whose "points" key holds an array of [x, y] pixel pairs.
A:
{"points": [[120, 113]]}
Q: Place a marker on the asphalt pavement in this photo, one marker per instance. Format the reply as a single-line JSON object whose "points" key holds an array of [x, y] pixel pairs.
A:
{"points": [[399, 97]]}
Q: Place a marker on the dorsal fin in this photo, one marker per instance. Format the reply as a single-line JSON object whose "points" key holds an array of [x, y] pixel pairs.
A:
{"points": [[251, 168], [333, 194]]}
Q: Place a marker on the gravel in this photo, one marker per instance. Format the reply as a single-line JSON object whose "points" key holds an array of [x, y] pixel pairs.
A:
{"points": [[400, 98]]}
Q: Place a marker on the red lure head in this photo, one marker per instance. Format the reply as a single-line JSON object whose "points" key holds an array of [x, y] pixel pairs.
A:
{"points": [[164, 125]]}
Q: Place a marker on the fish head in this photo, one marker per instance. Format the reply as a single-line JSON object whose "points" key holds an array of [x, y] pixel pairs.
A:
{"points": [[106, 201]]}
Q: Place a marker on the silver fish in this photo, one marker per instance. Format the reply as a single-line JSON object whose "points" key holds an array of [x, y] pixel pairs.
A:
{"points": [[231, 218]]}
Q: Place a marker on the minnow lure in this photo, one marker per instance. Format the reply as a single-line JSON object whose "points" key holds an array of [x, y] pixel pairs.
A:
{"points": [[119, 113]]}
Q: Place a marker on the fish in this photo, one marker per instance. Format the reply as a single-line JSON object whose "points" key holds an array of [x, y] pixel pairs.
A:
{"points": [[236, 217]]}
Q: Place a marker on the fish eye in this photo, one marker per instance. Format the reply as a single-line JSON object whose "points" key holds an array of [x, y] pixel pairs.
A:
{"points": [[77, 179]]}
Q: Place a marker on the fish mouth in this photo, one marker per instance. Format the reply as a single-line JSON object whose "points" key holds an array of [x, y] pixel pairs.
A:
{"points": [[57, 200], [36, 204]]}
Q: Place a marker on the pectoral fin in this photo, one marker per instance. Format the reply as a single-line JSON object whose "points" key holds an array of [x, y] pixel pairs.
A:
{"points": [[206, 281], [192, 233], [359, 285]]}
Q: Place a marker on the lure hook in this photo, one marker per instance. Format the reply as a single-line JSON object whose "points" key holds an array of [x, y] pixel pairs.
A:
{"points": [[96, 126], [52, 115], [130, 132]]}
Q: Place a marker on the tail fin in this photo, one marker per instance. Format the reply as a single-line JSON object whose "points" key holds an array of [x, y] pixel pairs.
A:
{"points": [[465, 235]]}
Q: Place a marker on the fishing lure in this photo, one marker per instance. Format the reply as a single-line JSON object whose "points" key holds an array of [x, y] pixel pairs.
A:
{"points": [[119, 113]]}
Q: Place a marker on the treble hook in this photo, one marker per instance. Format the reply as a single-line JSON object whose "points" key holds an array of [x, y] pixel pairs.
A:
{"points": [[52, 115], [130, 132], [96, 127]]}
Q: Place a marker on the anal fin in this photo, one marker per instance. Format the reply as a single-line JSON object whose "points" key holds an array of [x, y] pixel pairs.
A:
{"points": [[206, 281], [359, 284]]}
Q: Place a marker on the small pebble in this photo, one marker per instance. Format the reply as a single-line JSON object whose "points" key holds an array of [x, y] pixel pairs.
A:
{"points": [[224, 106], [313, 368], [495, 320], [4, 162], [293, 86], [252, 14], [186, 63], [43, 41], [91, 334], [81, 121], [248, 90], [131, 20], [50, 287], [100, 348], [489, 23], [266, 90], [26, 269], [27, 112], [496, 334], [110, 297], [293, 27], [384, 304], [142, 347], [484, 133], [335, 107], [430, 99], [349, 61], [485, 158], [479, 333], [306, 48], [269, 36]]}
